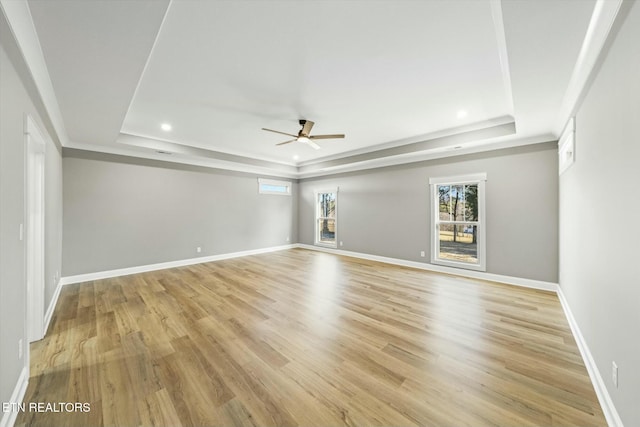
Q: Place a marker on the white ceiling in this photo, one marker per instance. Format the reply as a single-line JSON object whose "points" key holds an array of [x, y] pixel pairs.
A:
{"points": [[386, 73], [376, 71]]}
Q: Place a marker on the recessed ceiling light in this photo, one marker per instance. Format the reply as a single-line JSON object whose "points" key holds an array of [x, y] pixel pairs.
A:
{"points": [[462, 114], [165, 127], [296, 157]]}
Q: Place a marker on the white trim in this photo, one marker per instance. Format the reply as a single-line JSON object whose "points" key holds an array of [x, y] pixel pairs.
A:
{"points": [[24, 32], [52, 306], [127, 147], [316, 239], [481, 245], [166, 144], [326, 190], [476, 146], [441, 134], [21, 24], [9, 418], [599, 30], [455, 264], [34, 209], [79, 278], [459, 179], [480, 275], [136, 152], [610, 412], [611, 415]]}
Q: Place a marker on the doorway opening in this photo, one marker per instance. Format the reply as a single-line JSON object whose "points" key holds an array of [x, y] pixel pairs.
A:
{"points": [[35, 228]]}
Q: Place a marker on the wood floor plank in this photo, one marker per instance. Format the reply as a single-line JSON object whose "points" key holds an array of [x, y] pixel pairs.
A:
{"points": [[304, 338]]}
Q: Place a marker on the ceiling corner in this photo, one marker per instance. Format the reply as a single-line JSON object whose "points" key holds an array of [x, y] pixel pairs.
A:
{"points": [[599, 32], [23, 29]]}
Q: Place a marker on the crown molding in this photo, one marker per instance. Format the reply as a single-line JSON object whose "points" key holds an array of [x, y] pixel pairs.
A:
{"points": [[155, 144], [493, 134], [601, 29], [180, 159], [22, 28]]}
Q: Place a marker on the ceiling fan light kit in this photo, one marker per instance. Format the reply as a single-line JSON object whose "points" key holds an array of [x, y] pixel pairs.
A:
{"points": [[304, 136]]}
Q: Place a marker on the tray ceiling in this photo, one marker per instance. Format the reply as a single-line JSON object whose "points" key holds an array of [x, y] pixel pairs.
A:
{"points": [[402, 79]]}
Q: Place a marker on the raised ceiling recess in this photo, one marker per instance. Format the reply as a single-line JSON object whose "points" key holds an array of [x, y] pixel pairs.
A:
{"points": [[402, 80]]}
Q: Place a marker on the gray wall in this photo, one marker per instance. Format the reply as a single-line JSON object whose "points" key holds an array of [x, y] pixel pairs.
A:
{"points": [[123, 212], [19, 97], [599, 205], [386, 211]]}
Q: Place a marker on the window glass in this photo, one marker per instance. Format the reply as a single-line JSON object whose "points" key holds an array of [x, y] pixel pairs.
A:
{"points": [[326, 209], [457, 222]]}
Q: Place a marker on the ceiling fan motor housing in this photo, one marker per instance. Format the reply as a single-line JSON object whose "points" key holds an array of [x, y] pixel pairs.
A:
{"points": [[302, 122]]}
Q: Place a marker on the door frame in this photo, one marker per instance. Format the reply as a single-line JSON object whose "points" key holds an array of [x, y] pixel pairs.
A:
{"points": [[35, 152]]}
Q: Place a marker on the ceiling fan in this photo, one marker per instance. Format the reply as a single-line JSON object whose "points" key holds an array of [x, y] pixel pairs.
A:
{"points": [[303, 135]]}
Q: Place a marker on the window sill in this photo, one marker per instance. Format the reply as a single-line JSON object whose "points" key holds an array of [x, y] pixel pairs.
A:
{"points": [[463, 265], [326, 245]]}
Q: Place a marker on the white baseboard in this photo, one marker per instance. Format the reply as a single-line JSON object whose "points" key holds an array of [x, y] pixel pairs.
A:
{"points": [[610, 412], [52, 306], [612, 417], [9, 418], [68, 280], [528, 283]]}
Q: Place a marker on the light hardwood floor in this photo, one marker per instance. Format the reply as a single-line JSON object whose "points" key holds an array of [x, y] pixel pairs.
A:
{"points": [[307, 338]]}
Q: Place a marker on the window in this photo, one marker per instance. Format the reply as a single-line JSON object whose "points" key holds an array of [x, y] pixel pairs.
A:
{"points": [[326, 217], [270, 186], [458, 221]]}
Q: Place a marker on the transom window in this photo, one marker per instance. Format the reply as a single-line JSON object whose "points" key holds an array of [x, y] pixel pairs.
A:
{"points": [[272, 186], [458, 221], [326, 217]]}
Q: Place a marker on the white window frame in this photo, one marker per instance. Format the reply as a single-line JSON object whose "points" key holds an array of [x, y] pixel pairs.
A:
{"points": [[277, 183], [479, 179], [316, 218]]}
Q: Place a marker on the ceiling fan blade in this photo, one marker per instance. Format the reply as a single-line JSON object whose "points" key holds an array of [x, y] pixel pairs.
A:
{"points": [[313, 145], [306, 127], [287, 142], [283, 133], [336, 136]]}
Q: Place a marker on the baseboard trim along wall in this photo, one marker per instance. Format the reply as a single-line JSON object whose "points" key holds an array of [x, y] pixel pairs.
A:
{"points": [[68, 280], [52, 306], [9, 417], [518, 281], [610, 412]]}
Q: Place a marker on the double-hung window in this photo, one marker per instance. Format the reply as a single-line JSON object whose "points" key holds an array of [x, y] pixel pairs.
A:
{"points": [[326, 217], [458, 221]]}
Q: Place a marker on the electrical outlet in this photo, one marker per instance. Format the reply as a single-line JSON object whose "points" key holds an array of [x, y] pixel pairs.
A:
{"points": [[20, 348], [422, 254], [288, 238], [198, 249], [340, 242], [614, 373]]}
